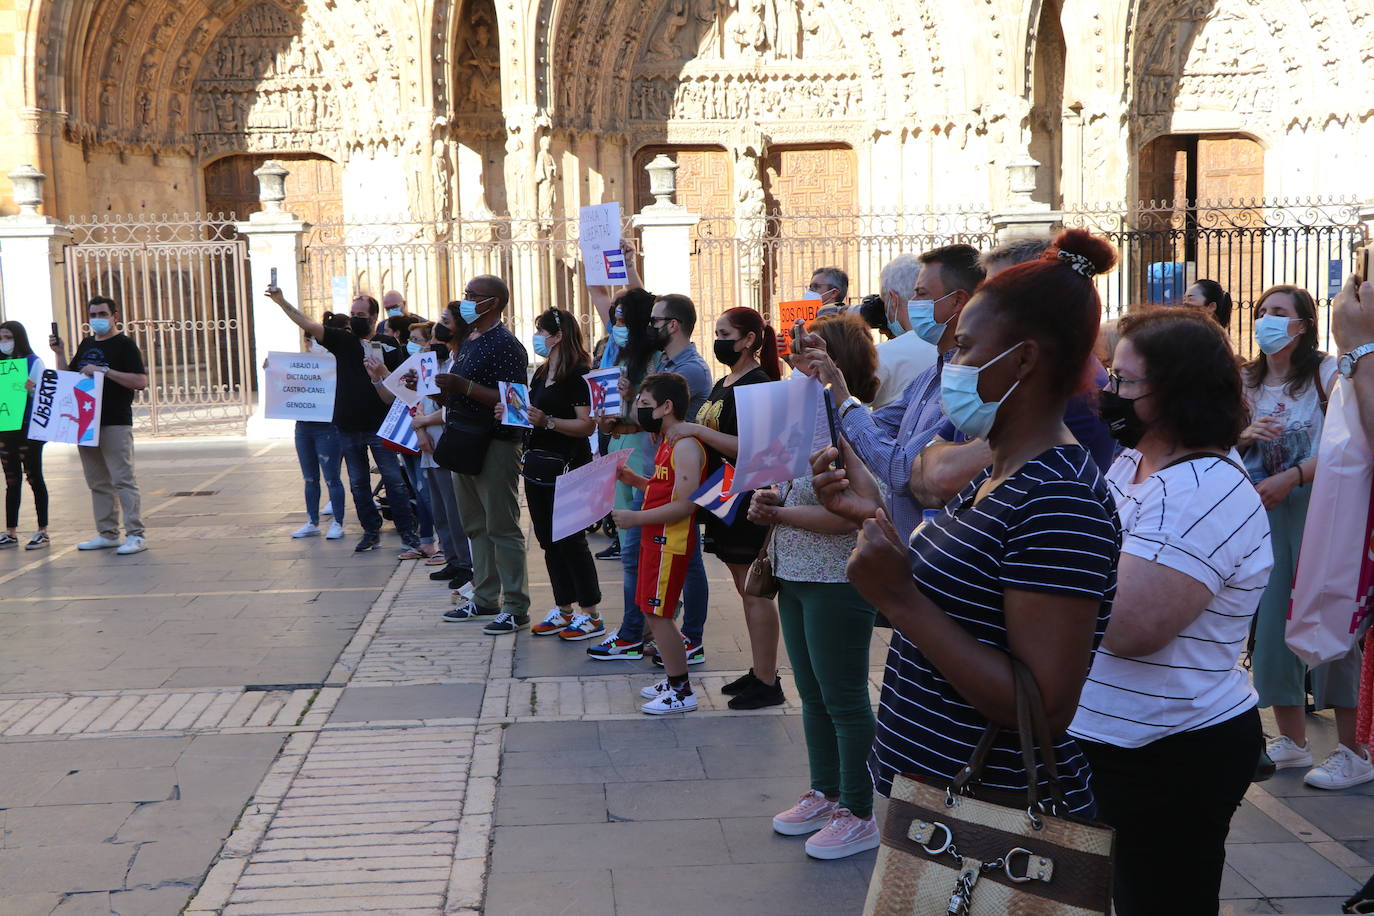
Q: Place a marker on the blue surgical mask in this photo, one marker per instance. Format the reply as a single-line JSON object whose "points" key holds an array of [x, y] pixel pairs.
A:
{"points": [[100, 326], [1271, 333], [468, 309], [620, 335], [541, 345], [412, 347], [964, 406], [393, 313], [922, 315], [896, 328]]}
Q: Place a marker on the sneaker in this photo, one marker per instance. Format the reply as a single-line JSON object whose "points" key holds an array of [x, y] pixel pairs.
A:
{"points": [[99, 542], [610, 553], [39, 540], [740, 684], [583, 626], [843, 836], [554, 622], [811, 812], [436, 559], [1285, 753], [696, 654], [1342, 770], [448, 572], [759, 696], [613, 648], [371, 540], [8, 540], [669, 702], [328, 509], [308, 530], [132, 544], [507, 623], [335, 532], [655, 690], [469, 611]]}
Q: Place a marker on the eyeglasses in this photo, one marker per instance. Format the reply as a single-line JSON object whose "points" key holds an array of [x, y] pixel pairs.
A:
{"points": [[655, 322], [1115, 380], [820, 287]]}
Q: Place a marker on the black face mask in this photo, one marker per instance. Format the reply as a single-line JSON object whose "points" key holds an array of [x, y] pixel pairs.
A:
{"points": [[1120, 416], [656, 336], [726, 352], [442, 333], [647, 421], [361, 327]]}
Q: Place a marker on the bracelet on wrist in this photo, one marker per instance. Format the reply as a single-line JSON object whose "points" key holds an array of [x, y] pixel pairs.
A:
{"points": [[1301, 476]]}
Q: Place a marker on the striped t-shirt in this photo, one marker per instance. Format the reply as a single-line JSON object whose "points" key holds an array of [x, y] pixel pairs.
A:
{"points": [[1050, 527], [1204, 519]]}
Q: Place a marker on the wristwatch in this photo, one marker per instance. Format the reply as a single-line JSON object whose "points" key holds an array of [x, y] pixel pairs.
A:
{"points": [[849, 404], [549, 422], [1348, 361]]}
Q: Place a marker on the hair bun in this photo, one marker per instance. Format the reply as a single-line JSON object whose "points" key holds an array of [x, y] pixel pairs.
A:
{"points": [[1081, 249]]}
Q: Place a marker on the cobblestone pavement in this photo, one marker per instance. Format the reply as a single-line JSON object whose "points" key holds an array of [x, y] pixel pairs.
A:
{"points": [[268, 726]]}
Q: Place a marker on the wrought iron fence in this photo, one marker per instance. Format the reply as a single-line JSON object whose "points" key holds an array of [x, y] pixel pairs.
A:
{"points": [[179, 282], [1244, 245]]}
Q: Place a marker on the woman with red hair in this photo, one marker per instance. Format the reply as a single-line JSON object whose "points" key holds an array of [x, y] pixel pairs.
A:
{"points": [[747, 346]]}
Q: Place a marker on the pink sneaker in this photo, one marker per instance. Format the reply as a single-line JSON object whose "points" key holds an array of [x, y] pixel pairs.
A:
{"points": [[843, 836], [811, 812]]}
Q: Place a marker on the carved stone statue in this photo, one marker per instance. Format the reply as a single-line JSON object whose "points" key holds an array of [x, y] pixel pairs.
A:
{"points": [[664, 46], [787, 39], [546, 181]]}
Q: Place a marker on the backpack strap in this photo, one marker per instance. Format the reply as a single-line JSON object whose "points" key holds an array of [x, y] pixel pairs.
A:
{"points": [[1321, 389], [1198, 456]]}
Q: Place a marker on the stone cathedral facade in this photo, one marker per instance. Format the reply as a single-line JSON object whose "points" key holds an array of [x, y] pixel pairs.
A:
{"points": [[443, 109]]}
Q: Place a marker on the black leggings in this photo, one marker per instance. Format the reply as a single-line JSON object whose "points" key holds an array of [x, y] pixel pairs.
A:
{"points": [[572, 571], [23, 457]]}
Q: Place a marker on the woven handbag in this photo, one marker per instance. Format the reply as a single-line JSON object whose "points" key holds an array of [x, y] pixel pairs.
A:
{"points": [[967, 851]]}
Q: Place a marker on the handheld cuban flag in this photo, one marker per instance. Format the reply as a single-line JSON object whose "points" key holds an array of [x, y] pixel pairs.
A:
{"points": [[396, 431], [715, 496], [603, 385], [615, 265], [86, 395]]}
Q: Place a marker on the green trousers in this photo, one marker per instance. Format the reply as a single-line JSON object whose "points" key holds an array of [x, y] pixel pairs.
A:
{"points": [[828, 628], [489, 503]]}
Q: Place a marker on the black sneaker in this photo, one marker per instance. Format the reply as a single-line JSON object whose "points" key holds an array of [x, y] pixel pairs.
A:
{"points": [[469, 611], [696, 654], [8, 540], [507, 623], [447, 571], [371, 541], [38, 541], [759, 695], [612, 552], [740, 684]]}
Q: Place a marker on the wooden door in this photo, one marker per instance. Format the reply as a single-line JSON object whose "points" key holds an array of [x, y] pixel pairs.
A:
{"points": [[312, 188], [814, 193]]}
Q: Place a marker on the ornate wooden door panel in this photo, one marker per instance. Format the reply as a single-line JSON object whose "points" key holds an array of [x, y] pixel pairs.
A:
{"points": [[312, 188], [814, 191]]}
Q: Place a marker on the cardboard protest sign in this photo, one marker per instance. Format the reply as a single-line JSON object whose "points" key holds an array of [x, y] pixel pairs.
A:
{"points": [[66, 408], [396, 430], [425, 366], [777, 431], [515, 404], [599, 239], [604, 386], [14, 397], [300, 386], [788, 313], [585, 495]]}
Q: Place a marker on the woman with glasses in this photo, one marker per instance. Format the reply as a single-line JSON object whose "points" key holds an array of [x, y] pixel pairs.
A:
{"points": [[1286, 389], [21, 456]]}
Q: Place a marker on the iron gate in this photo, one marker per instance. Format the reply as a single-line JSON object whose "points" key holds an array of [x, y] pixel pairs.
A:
{"points": [[181, 289]]}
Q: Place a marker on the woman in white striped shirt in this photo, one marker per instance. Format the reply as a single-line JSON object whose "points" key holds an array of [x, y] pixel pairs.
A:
{"points": [[1167, 718]]}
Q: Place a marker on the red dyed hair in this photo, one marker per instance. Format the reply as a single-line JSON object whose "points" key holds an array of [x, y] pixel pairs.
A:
{"points": [[1049, 300], [765, 348]]}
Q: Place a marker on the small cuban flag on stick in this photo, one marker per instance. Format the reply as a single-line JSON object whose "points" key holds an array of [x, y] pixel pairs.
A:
{"points": [[715, 496], [604, 389], [615, 265]]}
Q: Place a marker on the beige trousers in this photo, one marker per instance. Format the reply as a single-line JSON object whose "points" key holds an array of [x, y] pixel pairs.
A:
{"points": [[109, 469]]}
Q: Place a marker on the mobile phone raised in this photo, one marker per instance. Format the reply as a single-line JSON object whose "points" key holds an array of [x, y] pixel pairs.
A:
{"points": [[834, 426]]}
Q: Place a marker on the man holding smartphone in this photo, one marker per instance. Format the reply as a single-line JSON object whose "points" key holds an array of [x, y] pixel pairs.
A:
{"points": [[109, 466], [358, 413]]}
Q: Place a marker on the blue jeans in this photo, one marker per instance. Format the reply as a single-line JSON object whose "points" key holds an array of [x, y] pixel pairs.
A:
{"points": [[448, 524], [695, 592], [418, 481], [356, 445], [318, 449]]}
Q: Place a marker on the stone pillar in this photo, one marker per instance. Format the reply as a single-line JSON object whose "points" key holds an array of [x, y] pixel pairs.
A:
{"points": [[666, 233], [35, 289], [274, 241], [1024, 215]]}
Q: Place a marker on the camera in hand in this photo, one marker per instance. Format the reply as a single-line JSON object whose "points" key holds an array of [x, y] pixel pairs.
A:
{"points": [[873, 312]]}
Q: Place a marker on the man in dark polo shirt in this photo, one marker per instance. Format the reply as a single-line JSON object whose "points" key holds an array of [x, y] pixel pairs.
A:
{"points": [[358, 412]]}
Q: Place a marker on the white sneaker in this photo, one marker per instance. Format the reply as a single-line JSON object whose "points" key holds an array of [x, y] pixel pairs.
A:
{"points": [[654, 691], [1285, 753], [328, 509], [335, 532], [308, 530], [670, 702], [1343, 769], [132, 544], [844, 836], [99, 542]]}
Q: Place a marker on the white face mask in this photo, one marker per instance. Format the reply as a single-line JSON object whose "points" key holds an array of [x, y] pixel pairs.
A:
{"points": [[812, 295], [6, 347]]}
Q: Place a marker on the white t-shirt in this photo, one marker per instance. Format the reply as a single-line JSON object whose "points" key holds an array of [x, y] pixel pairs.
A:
{"points": [[1204, 519], [900, 360], [1301, 418]]}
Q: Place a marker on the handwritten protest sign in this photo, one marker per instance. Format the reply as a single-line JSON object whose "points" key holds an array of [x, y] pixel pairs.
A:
{"points": [[300, 386], [599, 239], [788, 313], [778, 424], [66, 408], [515, 404], [425, 366], [14, 396], [585, 495], [604, 387]]}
